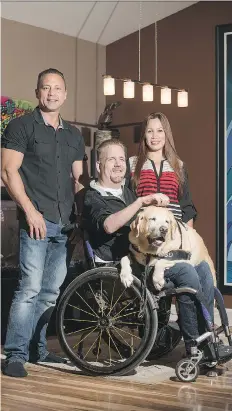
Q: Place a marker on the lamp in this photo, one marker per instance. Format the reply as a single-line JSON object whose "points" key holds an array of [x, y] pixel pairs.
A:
{"points": [[182, 98], [166, 95], [128, 89], [147, 92], [147, 87], [109, 86]]}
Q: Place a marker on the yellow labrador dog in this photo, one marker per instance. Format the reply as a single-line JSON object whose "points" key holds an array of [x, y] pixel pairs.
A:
{"points": [[157, 234]]}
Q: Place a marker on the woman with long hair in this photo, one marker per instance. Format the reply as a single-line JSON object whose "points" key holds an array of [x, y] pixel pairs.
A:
{"points": [[157, 168]]}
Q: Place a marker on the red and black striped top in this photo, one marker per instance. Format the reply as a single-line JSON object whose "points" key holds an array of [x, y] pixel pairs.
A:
{"points": [[165, 182]]}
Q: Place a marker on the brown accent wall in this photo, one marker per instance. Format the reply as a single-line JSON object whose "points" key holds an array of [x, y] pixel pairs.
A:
{"points": [[186, 58]]}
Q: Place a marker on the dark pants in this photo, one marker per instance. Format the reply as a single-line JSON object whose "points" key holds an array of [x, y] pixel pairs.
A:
{"points": [[199, 278]]}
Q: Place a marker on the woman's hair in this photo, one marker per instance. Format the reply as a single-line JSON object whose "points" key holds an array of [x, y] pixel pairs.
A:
{"points": [[169, 150]]}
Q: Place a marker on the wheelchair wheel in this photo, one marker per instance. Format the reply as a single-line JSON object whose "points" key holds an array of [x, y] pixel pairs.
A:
{"points": [[187, 371], [103, 320]]}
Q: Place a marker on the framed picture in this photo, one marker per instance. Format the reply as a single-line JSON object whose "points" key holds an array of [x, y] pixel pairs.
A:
{"points": [[224, 156]]}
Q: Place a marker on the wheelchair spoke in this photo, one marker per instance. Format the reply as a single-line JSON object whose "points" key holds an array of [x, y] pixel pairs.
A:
{"points": [[85, 336], [130, 302], [127, 323], [95, 314], [102, 299], [126, 332], [116, 301], [90, 348], [109, 349], [112, 297], [114, 345], [81, 309], [99, 343], [78, 331], [122, 338], [124, 315], [76, 319], [100, 306]]}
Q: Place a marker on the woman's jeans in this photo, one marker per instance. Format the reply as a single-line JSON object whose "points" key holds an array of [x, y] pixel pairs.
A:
{"points": [[42, 271], [199, 278]]}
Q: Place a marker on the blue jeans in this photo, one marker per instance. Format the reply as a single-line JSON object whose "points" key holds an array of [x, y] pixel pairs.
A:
{"points": [[42, 271], [199, 278]]}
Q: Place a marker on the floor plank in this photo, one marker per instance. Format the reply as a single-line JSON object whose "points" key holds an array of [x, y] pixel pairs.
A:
{"points": [[48, 388]]}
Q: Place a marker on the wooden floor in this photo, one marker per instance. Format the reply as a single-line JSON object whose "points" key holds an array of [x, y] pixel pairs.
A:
{"points": [[50, 389]]}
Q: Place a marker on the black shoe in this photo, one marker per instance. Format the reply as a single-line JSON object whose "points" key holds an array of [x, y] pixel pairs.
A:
{"points": [[54, 358], [224, 353], [15, 369]]}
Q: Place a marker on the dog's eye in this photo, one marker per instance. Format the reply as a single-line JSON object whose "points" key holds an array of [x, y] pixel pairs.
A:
{"points": [[166, 221], [141, 218], [153, 218]]}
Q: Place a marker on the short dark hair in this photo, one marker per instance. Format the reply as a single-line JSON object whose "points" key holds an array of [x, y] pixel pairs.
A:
{"points": [[110, 142], [49, 71]]}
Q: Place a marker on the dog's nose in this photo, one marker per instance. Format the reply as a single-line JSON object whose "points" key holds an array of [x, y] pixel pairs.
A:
{"points": [[163, 229]]}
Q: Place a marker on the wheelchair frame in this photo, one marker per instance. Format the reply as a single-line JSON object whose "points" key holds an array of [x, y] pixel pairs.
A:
{"points": [[132, 338]]}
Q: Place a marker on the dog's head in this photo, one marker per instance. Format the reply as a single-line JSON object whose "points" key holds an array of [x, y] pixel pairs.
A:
{"points": [[153, 227]]}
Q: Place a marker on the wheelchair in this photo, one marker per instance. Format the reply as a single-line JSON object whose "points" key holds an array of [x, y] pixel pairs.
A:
{"points": [[106, 329]]}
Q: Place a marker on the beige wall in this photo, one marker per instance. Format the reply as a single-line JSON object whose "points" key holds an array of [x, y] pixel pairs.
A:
{"points": [[27, 50]]}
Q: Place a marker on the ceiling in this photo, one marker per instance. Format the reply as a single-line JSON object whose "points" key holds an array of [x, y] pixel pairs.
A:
{"points": [[101, 22]]}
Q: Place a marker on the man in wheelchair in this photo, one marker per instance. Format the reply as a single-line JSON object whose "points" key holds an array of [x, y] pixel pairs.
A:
{"points": [[109, 209]]}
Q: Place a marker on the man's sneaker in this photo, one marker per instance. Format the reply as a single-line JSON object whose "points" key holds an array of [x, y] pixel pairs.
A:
{"points": [[51, 357], [15, 369]]}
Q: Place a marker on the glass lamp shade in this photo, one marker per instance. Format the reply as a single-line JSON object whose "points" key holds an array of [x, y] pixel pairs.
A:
{"points": [[182, 99], [128, 89], [166, 95], [147, 92], [109, 86]]}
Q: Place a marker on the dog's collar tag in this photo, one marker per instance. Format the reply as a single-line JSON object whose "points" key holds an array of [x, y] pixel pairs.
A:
{"points": [[177, 255]]}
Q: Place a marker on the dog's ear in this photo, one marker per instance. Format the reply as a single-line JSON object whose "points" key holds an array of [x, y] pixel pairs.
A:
{"points": [[135, 225]]}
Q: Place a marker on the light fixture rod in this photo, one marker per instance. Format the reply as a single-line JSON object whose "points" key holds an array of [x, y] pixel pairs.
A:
{"points": [[140, 20], [145, 82], [156, 54]]}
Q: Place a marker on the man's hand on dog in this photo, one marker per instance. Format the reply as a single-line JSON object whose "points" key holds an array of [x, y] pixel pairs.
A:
{"points": [[158, 199]]}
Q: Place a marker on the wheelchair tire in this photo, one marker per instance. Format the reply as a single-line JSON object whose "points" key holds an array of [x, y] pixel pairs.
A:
{"points": [[187, 371], [98, 297]]}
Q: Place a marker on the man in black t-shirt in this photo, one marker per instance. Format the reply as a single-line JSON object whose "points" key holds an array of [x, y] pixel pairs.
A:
{"points": [[39, 153]]}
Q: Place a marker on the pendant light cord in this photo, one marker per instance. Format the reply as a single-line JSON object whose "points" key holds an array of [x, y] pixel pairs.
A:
{"points": [[140, 24], [156, 54]]}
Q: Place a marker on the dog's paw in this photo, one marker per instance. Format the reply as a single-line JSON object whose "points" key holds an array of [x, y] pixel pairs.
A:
{"points": [[158, 284], [158, 280], [126, 278]]}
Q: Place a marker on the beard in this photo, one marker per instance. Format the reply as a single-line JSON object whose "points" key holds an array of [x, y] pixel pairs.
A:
{"points": [[117, 178]]}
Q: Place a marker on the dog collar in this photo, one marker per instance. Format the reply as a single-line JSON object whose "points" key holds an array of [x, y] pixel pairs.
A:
{"points": [[175, 255], [171, 255]]}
